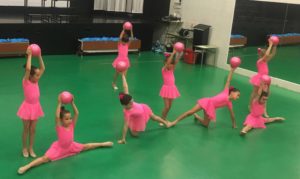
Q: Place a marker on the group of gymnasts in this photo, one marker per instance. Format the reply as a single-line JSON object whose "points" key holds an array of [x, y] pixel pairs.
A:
{"points": [[136, 115]]}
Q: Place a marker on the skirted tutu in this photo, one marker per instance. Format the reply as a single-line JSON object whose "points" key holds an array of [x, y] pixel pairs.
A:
{"points": [[256, 80], [56, 152], [255, 122], [208, 107], [169, 91], [29, 111], [137, 120], [118, 59]]}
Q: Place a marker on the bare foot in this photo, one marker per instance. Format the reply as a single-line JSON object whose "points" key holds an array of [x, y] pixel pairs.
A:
{"points": [[32, 154], [280, 118], [121, 142], [25, 153], [243, 133], [22, 170], [169, 124], [161, 124], [108, 144]]}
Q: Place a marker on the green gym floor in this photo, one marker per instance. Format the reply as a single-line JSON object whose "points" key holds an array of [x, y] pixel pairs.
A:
{"points": [[185, 151], [285, 64]]}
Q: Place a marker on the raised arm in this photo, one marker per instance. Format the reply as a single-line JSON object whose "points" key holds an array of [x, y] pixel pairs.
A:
{"points": [[76, 112], [229, 77], [178, 56], [42, 65], [131, 33], [267, 55], [57, 113], [169, 60], [125, 85], [131, 37], [263, 87], [273, 53], [121, 34], [260, 89], [28, 64]]}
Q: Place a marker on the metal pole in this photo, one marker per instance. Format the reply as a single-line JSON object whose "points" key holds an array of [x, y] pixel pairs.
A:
{"points": [[285, 21]]}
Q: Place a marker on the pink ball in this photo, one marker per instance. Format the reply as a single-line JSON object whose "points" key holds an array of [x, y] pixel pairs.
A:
{"points": [[66, 97], [266, 79], [274, 39], [235, 62], [121, 66], [179, 47], [35, 49], [127, 26]]}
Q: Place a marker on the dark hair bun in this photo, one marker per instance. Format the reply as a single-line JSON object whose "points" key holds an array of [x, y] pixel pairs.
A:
{"points": [[62, 108], [124, 98]]}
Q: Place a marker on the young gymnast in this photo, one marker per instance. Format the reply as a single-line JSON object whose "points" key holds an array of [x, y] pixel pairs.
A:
{"points": [[255, 119], [169, 91], [262, 68], [209, 105], [136, 115], [123, 45], [65, 145], [30, 110]]}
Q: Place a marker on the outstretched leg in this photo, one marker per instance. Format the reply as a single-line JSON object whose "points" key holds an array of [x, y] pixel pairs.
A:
{"points": [[36, 162], [160, 120], [246, 129], [90, 146], [186, 114], [272, 119]]}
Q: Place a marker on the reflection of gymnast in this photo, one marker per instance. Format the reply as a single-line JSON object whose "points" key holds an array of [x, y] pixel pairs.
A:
{"points": [[262, 68], [65, 145], [209, 105], [255, 119], [123, 45]]}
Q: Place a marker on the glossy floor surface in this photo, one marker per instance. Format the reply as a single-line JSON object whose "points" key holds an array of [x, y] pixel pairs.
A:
{"points": [[185, 151]]}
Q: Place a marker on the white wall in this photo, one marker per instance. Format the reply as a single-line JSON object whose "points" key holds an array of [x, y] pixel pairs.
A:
{"points": [[12, 3], [216, 13]]}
